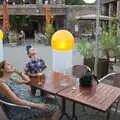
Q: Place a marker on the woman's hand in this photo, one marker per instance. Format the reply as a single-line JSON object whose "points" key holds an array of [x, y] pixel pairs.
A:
{"points": [[42, 106]]}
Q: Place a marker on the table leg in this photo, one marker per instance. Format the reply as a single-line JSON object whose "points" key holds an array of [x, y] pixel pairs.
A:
{"points": [[73, 117], [63, 111], [108, 115]]}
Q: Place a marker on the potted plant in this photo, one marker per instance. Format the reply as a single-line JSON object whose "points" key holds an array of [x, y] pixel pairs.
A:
{"points": [[86, 49], [109, 42]]}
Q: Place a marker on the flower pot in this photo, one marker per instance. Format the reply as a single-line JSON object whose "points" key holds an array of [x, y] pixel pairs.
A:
{"points": [[89, 62], [103, 65], [111, 53]]}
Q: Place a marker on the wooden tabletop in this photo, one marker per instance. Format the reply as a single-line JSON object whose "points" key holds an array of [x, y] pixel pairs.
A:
{"points": [[100, 96], [52, 82]]}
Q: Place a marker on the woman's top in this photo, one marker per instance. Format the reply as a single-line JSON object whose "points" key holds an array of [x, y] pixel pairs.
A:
{"points": [[22, 90]]}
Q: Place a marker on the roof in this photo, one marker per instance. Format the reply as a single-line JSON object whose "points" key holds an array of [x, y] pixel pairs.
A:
{"points": [[93, 17]]}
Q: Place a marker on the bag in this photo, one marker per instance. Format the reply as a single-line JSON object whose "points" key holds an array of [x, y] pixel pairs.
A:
{"points": [[87, 79]]}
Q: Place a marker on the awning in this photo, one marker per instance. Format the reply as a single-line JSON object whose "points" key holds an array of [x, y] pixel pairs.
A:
{"points": [[93, 17]]}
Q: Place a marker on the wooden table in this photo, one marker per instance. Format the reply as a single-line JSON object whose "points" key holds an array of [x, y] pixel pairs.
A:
{"points": [[52, 82], [100, 97], [52, 86]]}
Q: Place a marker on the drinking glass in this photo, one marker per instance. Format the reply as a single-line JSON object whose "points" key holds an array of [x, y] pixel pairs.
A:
{"points": [[75, 83], [64, 81]]}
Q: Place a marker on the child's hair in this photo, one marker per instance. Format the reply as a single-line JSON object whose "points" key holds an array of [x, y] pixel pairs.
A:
{"points": [[2, 66], [28, 47]]}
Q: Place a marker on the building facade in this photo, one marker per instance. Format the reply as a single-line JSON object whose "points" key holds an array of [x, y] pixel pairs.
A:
{"points": [[112, 9], [32, 12]]}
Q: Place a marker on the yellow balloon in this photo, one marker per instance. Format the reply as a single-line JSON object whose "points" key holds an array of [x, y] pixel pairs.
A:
{"points": [[1, 35], [62, 40]]}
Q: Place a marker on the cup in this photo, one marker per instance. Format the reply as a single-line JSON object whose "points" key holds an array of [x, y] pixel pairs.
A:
{"points": [[76, 84], [41, 79], [64, 82]]}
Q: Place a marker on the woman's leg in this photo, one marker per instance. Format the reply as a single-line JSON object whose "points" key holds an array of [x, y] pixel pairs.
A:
{"points": [[55, 116]]}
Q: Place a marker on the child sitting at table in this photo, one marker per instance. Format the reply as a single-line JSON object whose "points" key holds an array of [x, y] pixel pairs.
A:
{"points": [[35, 66]]}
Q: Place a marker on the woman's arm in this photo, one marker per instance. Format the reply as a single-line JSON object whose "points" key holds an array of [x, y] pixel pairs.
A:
{"points": [[6, 91], [25, 78], [9, 68]]}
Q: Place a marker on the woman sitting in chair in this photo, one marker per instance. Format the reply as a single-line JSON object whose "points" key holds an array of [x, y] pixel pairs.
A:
{"points": [[15, 92]]}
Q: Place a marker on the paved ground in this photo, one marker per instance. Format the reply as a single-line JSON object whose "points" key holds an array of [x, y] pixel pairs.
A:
{"points": [[17, 56]]}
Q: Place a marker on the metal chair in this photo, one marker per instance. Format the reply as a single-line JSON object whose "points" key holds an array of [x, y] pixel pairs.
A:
{"points": [[3, 109], [114, 80], [6, 115], [79, 70]]}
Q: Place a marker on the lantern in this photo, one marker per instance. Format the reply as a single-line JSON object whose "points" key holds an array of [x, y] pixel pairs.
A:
{"points": [[1, 45], [62, 45]]}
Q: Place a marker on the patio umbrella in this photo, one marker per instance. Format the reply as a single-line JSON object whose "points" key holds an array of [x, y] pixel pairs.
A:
{"points": [[6, 24]]}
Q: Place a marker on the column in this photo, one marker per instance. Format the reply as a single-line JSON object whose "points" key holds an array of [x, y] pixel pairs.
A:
{"points": [[118, 15], [110, 10]]}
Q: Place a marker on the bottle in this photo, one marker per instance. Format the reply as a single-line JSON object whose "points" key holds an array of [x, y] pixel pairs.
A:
{"points": [[77, 82]]}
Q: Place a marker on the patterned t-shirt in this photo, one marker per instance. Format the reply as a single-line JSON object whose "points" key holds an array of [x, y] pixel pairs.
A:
{"points": [[35, 66]]}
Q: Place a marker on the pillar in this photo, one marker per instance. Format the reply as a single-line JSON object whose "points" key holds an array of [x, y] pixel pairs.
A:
{"points": [[110, 13], [118, 15]]}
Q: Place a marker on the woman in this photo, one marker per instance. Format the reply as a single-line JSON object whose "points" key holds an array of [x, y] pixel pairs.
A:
{"points": [[13, 91]]}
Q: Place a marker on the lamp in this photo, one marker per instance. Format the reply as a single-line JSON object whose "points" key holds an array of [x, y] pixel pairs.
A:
{"points": [[1, 45], [62, 44], [97, 32]]}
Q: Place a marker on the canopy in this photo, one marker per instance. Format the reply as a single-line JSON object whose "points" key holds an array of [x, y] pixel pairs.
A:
{"points": [[93, 17]]}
